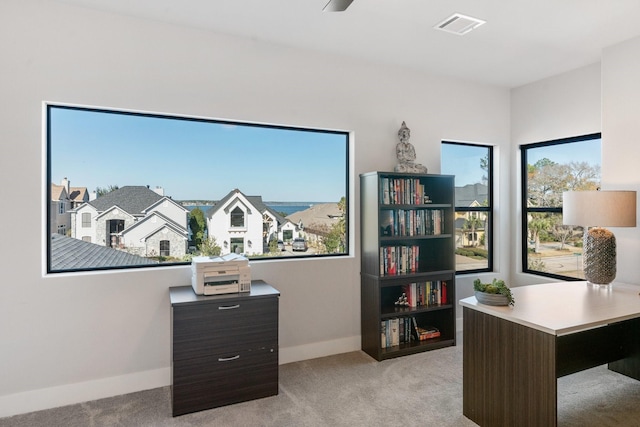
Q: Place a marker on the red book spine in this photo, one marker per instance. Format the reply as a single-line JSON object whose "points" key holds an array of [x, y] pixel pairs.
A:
{"points": [[444, 292]]}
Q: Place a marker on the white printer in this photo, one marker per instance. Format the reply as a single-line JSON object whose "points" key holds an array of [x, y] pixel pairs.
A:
{"points": [[224, 274]]}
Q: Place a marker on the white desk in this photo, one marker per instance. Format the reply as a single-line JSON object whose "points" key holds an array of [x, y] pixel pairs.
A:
{"points": [[512, 356]]}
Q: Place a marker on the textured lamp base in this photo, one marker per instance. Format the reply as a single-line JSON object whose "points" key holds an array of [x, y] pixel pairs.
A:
{"points": [[599, 256]]}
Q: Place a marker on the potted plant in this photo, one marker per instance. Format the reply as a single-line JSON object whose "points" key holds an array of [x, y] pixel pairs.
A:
{"points": [[494, 293]]}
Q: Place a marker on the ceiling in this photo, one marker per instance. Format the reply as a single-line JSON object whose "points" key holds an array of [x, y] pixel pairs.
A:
{"points": [[522, 41]]}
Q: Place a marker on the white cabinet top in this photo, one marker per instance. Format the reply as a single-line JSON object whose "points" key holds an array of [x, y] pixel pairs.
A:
{"points": [[566, 307]]}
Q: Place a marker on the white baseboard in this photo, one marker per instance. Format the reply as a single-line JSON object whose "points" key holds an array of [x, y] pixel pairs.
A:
{"points": [[69, 394], [53, 397], [319, 349]]}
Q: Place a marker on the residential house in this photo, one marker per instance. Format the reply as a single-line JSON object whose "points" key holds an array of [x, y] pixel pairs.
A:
{"points": [[470, 226], [244, 224], [63, 199], [316, 222], [135, 219]]}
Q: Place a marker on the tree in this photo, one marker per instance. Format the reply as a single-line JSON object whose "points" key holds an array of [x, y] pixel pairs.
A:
{"points": [[336, 238], [547, 180], [273, 246], [563, 233], [538, 223], [102, 191], [209, 247], [472, 224], [198, 226], [484, 165], [583, 176]]}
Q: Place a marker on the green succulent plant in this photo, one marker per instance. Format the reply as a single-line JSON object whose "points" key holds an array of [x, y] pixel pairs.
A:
{"points": [[495, 287]]}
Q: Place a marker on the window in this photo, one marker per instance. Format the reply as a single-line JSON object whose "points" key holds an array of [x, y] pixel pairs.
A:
{"points": [[62, 230], [211, 186], [472, 165], [165, 248], [61, 208], [549, 168], [237, 245], [237, 217]]}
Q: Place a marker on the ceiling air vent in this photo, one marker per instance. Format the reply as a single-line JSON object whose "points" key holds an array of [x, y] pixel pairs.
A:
{"points": [[337, 5], [459, 24]]}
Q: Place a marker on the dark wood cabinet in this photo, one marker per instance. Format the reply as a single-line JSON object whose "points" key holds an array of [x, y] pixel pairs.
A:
{"points": [[224, 347], [407, 243]]}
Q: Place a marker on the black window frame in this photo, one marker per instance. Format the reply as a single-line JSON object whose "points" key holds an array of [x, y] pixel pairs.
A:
{"points": [[525, 209], [49, 209], [488, 210], [164, 247]]}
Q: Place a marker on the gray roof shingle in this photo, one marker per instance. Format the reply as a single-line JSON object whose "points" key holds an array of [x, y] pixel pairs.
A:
{"points": [[73, 254], [465, 196], [133, 199]]}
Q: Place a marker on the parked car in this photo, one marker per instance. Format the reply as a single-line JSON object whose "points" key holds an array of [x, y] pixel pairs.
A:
{"points": [[280, 245], [299, 244]]}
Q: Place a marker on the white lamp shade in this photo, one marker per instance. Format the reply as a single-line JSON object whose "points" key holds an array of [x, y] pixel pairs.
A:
{"points": [[599, 208]]}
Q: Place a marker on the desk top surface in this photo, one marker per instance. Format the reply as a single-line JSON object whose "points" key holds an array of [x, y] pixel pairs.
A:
{"points": [[185, 295], [566, 307]]}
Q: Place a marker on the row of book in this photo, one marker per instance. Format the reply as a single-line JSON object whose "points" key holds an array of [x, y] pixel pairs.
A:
{"points": [[402, 191], [399, 260], [404, 330], [423, 294], [411, 222]]}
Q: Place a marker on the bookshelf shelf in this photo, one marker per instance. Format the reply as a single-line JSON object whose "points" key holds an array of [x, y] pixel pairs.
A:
{"points": [[407, 258], [409, 311]]}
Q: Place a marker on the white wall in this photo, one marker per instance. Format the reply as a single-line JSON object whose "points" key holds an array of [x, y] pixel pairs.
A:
{"points": [[562, 106], [620, 146], [77, 337], [604, 97]]}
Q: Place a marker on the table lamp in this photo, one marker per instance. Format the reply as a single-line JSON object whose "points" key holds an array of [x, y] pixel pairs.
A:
{"points": [[594, 210]]}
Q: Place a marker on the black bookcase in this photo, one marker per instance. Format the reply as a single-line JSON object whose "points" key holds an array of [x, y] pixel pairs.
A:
{"points": [[407, 244]]}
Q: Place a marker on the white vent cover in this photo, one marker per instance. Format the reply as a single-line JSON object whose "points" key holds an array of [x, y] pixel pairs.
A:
{"points": [[459, 24]]}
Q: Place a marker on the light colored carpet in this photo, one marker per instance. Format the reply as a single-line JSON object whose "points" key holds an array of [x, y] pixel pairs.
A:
{"points": [[353, 390]]}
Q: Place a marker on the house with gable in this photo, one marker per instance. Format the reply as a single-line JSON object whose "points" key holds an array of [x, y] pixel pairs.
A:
{"points": [[63, 199], [135, 219], [470, 228], [244, 224]]}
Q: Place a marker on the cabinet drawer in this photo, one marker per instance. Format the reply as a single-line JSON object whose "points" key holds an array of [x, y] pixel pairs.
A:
{"points": [[223, 327], [209, 382]]}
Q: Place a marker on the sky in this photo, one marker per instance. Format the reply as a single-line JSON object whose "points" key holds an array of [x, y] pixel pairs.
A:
{"points": [[195, 159], [463, 161], [585, 151]]}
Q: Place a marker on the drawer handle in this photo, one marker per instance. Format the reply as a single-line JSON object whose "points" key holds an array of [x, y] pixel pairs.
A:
{"points": [[228, 359], [228, 307]]}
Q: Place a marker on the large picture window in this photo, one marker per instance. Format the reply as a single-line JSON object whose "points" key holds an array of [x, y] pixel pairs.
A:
{"points": [[472, 165], [548, 168], [153, 190]]}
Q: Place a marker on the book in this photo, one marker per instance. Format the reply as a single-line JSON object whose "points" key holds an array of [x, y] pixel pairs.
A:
{"points": [[394, 331], [444, 293], [428, 332], [386, 223], [414, 329]]}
